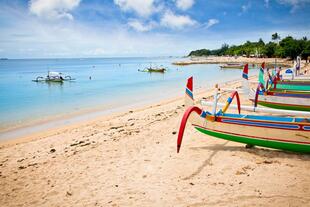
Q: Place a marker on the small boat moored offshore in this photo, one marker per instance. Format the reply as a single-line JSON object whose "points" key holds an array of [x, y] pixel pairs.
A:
{"points": [[53, 77], [154, 70], [232, 65], [284, 133]]}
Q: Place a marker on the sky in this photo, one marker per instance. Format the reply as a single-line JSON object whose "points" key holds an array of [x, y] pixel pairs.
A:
{"points": [[142, 28]]}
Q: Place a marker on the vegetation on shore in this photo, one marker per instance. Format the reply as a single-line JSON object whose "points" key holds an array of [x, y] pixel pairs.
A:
{"points": [[287, 47]]}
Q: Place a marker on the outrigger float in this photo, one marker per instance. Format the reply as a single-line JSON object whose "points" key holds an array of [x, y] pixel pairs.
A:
{"points": [[284, 133], [53, 77]]}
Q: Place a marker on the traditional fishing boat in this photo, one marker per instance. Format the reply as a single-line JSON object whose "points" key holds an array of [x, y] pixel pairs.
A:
{"points": [[284, 133], [52, 76], [232, 65], [296, 84], [282, 82], [155, 69], [277, 98], [280, 100]]}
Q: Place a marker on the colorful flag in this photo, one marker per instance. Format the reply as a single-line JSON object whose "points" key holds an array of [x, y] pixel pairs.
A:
{"points": [[261, 75], [245, 71]]}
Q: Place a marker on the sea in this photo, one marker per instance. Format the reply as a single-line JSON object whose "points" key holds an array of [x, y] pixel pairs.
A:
{"points": [[101, 86]]}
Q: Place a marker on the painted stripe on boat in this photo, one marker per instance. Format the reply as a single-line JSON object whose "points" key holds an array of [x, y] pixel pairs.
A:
{"points": [[254, 137], [261, 124], [307, 128]]}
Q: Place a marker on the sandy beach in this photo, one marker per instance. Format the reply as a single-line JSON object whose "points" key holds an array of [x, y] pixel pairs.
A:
{"points": [[130, 159], [239, 59]]}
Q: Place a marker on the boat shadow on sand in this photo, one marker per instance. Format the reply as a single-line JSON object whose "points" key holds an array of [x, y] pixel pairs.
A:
{"points": [[264, 153]]}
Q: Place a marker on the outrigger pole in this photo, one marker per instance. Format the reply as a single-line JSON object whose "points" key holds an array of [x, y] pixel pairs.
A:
{"points": [[260, 109]]}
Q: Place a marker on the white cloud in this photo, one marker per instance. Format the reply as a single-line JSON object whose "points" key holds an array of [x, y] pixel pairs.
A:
{"points": [[184, 4], [174, 21], [142, 7], [141, 27], [211, 22], [294, 3], [53, 9], [245, 8]]}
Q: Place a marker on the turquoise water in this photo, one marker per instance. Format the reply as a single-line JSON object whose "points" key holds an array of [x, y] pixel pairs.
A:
{"points": [[115, 82]]}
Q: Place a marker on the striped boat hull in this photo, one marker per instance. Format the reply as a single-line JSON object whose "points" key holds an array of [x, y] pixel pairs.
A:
{"points": [[289, 146], [278, 101], [294, 85], [290, 136]]}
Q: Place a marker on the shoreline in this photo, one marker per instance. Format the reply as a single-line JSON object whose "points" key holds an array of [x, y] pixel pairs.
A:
{"points": [[98, 114], [223, 59]]}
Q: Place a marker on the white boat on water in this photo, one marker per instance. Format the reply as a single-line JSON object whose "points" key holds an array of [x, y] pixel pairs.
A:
{"points": [[53, 76]]}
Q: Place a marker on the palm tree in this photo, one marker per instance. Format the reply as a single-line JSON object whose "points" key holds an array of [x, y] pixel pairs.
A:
{"points": [[275, 37]]}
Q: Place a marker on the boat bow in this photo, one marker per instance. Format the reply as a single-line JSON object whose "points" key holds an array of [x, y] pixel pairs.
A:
{"points": [[186, 115]]}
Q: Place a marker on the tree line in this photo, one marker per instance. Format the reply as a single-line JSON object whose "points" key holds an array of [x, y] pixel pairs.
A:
{"points": [[287, 47]]}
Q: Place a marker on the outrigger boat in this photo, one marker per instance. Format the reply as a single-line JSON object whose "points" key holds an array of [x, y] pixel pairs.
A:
{"points": [[277, 98], [284, 133], [154, 70], [282, 82], [232, 65], [280, 100], [53, 77]]}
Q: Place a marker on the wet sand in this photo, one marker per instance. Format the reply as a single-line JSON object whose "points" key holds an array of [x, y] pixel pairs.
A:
{"points": [[130, 159]]}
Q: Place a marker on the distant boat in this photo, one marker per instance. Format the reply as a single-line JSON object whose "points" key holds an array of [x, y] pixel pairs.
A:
{"points": [[232, 65], [53, 77], [154, 70]]}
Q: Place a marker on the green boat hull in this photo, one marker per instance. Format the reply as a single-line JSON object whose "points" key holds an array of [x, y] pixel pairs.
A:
{"points": [[303, 148], [293, 87], [285, 107]]}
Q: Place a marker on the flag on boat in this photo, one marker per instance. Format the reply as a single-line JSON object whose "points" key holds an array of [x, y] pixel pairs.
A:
{"points": [[245, 71], [189, 87], [261, 74]]}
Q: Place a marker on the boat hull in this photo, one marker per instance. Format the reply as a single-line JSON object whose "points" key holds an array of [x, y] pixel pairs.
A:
{"points": [[283, 135], [289, 146], [231, 67], [294, 85], [284, 106], [297, 102]]}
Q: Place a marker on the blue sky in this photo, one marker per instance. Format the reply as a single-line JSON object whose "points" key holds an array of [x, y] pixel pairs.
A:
{"points": [[109, 28]]}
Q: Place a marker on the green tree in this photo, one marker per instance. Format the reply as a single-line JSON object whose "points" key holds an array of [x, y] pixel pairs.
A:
{"points": [[269, 49], [306, 50], [291, 47]]}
